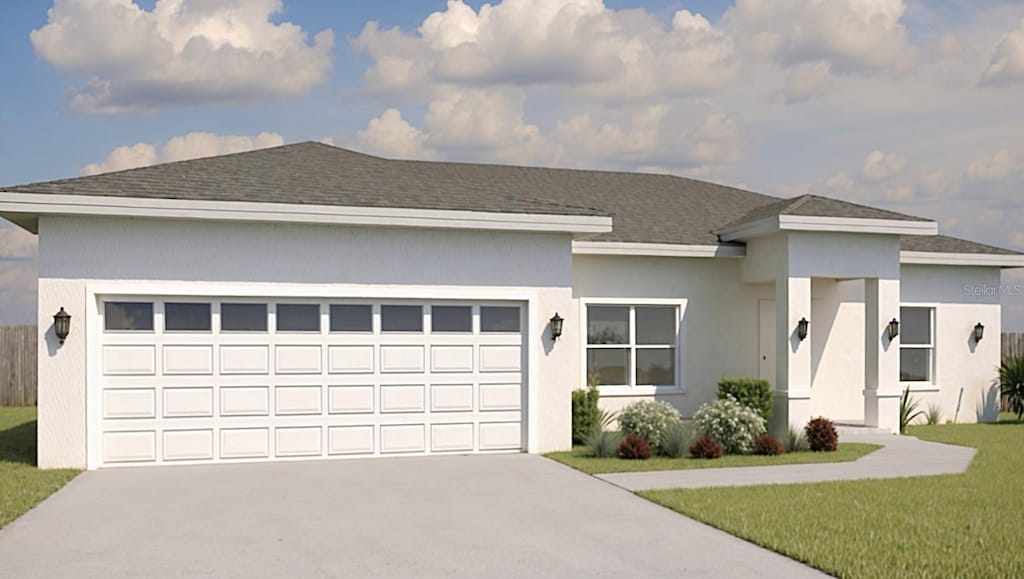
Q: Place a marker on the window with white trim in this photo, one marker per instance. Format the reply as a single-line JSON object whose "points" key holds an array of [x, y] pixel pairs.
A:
{"points": [[917, 344], [632, 345]]}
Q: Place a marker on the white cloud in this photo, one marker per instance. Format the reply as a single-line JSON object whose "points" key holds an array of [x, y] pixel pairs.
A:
{"points": [[851, 35], [878, 166], [998, 167], [391, 136], [806, 81], [18, 282], [1007, 63], [183, 52], [17, 244], [189, 146], [577, 44]]}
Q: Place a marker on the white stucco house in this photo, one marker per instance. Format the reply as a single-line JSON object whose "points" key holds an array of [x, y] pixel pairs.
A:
{"points": [[307, 301]]}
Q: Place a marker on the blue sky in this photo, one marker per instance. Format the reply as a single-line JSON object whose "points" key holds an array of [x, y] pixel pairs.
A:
{"points": [[911, 105]]}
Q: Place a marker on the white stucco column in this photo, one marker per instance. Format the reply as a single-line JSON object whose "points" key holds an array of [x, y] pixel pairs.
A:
{"points": [[881, 357], [792, 356]]}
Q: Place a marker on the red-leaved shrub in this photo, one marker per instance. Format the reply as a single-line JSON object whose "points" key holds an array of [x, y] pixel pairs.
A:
{"points": [[768, 445], [706, 447], [635, 447], [822, 435]]}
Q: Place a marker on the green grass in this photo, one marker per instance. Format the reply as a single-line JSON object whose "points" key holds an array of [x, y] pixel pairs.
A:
{"points": [[965, 525], [22, 485], [578, 459]]}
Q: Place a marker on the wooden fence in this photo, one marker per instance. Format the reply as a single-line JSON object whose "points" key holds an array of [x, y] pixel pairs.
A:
{"points": [[18, 378], [1013, 344]]}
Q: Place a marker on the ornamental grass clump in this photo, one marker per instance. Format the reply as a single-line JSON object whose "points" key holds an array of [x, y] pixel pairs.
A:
{"points": [[603, 443], [822, 435], [675, 442], [648, 419], [635, 447], [768, 445], [732, 424], [706, 447], [794, 440]]}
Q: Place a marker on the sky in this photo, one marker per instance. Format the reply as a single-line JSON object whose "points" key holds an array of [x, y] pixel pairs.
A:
{"points": [[909, 105]]}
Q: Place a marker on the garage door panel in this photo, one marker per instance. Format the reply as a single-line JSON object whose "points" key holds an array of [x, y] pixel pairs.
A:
{"points": [[451, 359], [129, 360], [298, 441], [402, 398], [188, 402], [356, 439], [245, 401], [500, 358], [194, 360], [251, 359], [298, 400], [451, 437], [451, 397], [129, 403], [129, 446], [403, 359], [297, 359], [356, 399], [500, 397], [188, 444], [500, 436], [402, 438], [350, 359], [244, 443]]}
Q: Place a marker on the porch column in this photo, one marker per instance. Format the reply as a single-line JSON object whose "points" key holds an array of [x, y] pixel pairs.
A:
{"points": [[792, 356], [881, 357]]}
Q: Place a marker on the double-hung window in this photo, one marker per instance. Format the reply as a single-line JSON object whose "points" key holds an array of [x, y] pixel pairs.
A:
{"points": [[630, 346], [917, 345]]}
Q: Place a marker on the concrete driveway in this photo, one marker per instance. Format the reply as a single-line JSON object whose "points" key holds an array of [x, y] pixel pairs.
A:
{"points": [[458, 516]]}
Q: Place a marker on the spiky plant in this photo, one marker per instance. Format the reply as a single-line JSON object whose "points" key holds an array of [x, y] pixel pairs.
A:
{"points": [[934, 414], [908, 410], [1011, 383]]}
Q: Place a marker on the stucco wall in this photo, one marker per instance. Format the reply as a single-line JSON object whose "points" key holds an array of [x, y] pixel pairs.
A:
{"points": [[75, 252]]}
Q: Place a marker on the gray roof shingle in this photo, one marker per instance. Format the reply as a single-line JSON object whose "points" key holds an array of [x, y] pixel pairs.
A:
{"points": [[946, 244], [645, 208]]}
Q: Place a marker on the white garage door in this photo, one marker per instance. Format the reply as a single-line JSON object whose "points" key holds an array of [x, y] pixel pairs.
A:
{"points": [[205, 380]]}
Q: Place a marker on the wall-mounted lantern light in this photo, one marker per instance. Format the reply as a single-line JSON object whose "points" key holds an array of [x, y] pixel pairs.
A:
{"points": [[894, 329], [61, 325], [979, 332], [556, 327], [801, 328]]}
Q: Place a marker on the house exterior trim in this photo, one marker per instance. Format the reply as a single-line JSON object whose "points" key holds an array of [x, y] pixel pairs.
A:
{"points": [[657, 249], [966, 259], [830, 224]]}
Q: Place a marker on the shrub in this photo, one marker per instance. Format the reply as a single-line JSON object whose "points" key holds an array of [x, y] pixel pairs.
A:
{"points": [[706, 447], [675, 442], [794, 440], [754, 393], [603, 443], [635, 447], [1011, 384], [821, 435], [648, 419], [730, 423], [767, 444], [934, 414], [584, 410], [908, 410]]}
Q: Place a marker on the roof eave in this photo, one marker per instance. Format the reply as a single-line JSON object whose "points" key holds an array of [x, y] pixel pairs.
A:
{"points": [[961, 259], [776, 223]]}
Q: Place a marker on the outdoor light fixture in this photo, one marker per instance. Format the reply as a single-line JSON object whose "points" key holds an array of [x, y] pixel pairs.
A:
{"points": [[979, 332], [61, 325], [894, 329], [556, 327], [801, 328]]}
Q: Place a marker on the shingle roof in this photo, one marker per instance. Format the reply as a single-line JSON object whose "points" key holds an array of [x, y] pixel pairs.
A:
{"points": [[645, 208], [945, 244]]}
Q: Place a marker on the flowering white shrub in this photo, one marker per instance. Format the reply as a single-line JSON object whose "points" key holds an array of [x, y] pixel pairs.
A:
{"points": [[648, 419], [732, 424]]}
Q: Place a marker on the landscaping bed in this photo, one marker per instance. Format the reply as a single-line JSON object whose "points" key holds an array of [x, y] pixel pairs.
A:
{"points": [[22, 485], [950, 526]]}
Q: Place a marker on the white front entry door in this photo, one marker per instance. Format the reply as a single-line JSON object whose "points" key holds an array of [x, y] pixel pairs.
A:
{"points": [[194, 380]]}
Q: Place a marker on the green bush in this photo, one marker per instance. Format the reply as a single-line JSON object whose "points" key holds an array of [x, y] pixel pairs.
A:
{"points": [[649, 419], [755, 393], [732, 424], [585, 414], [675, 441], [1011, 383]]}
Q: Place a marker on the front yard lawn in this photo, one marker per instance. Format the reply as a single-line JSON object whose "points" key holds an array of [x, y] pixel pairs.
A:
{"points": [[579, 460], [22, 485], [965, 525]]}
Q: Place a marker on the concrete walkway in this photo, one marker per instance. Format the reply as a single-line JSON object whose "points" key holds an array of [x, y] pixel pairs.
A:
{"points": [[903, 456]]}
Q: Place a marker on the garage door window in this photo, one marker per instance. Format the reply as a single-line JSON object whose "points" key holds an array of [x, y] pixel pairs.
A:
{"points": [[298, 318], [181, 317], [351, 318], [499, 319], [243, 317], [451, 319], [128, 316], [401, 318]]}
